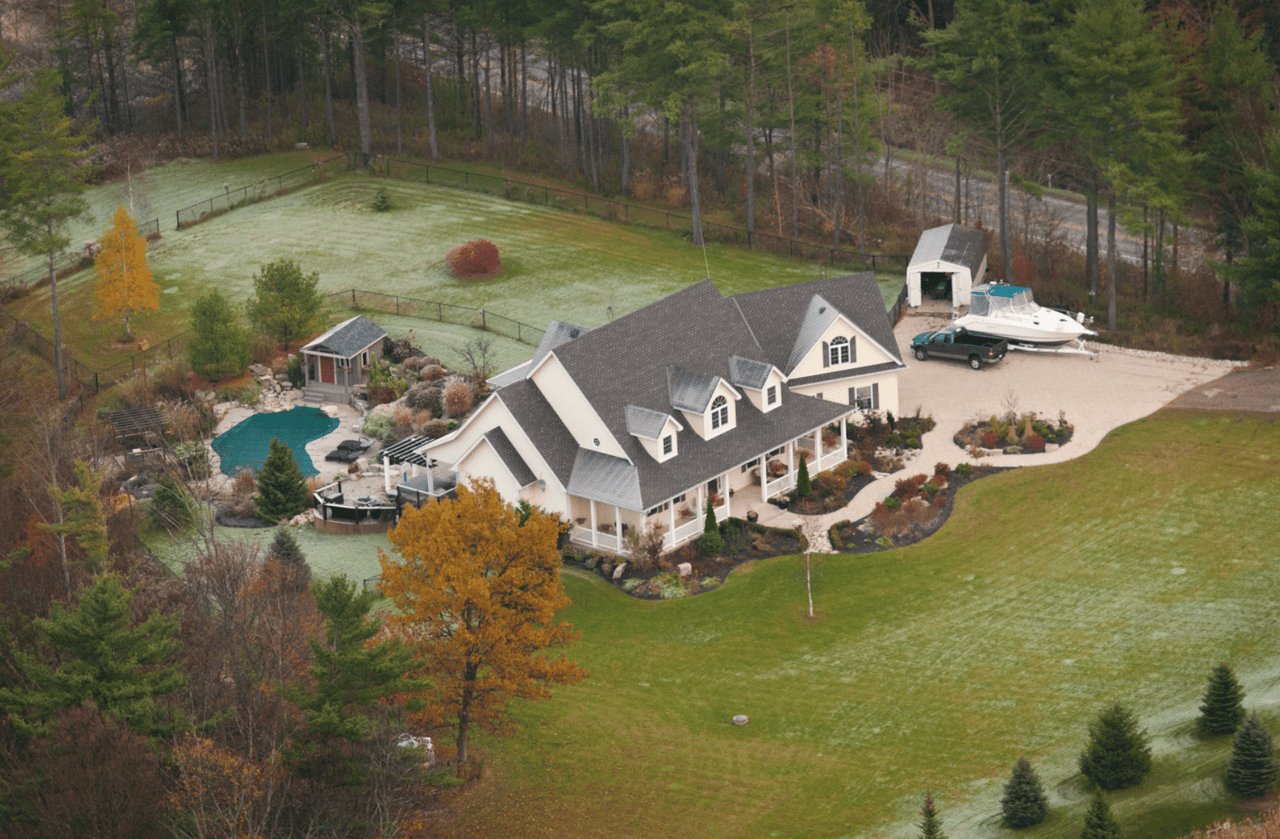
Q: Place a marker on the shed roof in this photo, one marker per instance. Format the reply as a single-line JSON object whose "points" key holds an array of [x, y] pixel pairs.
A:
{"points": [[349, 338], [951, 243]]}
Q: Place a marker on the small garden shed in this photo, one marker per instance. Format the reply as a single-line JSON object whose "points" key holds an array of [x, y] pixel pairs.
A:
{"points": [[339, 359], [948, 262]]}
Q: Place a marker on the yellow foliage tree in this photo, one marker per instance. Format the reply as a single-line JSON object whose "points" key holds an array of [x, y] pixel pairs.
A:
{"points": [[125, 287], [476, 594]]}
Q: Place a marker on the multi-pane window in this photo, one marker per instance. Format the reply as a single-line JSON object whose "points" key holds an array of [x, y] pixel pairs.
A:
{"points": [[667, 444], [719, 412], [863, 398], [771, 395], [839, 350]]}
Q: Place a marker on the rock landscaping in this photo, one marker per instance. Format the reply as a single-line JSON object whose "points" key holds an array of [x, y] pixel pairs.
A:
{"points": [[1013, 434]]}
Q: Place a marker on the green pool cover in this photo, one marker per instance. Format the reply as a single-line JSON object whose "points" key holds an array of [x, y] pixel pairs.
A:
{"points": [[249, 443]]}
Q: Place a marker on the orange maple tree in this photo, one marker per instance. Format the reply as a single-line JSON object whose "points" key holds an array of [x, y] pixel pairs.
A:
{"points": [[125, 287], [476, 593]]}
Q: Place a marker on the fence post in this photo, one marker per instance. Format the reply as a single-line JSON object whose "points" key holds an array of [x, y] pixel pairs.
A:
{"points": [[177, 219], [483, 323], [466, 179], [397, 304], [96, 387], [518, 338], [440, 312], [546, 196], [353, 298]]}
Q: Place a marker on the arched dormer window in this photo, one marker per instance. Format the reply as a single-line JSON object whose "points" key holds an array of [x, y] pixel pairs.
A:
{"points": [[838, 352], [719, 412]]}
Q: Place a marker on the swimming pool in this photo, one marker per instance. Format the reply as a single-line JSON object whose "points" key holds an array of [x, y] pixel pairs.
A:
{"points": [[249, 442]]}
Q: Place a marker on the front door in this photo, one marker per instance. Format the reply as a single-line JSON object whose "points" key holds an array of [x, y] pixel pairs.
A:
{"points": [[326, 370]]}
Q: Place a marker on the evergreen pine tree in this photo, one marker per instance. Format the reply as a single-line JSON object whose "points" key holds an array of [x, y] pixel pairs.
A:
{"points": [[930, 824], [1118, 755], [1098, 822], [285, 547], [121, 670], [352, 677], [282, 490], [711, 542], [1252, 770], [804, 487], [218, 345], [1222, 710], [1024, 803]]}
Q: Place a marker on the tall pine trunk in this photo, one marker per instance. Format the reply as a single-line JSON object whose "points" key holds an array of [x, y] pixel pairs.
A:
{"points": [[1113, 279], [431, 101], [690, 134], [362, 87], [326, 55]]}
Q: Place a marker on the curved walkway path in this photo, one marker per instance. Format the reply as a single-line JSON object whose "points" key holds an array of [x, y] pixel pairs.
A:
{"points": [[1096, 395]]}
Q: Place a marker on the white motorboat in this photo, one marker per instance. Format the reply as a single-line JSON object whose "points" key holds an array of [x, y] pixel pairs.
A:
{"points": [[1011, 312]]}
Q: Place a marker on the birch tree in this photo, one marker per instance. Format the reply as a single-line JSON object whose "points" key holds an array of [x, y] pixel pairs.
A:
{"points": [[125, 287]]}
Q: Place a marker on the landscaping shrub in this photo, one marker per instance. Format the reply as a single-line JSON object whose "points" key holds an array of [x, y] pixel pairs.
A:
{"points": [[990, 440], [912, 442], [432, 372], [803, 485], [458, 398], [295, 372], [711, 543], [930, 487], [381, 200], [435, 428], [964, 469], [894, 439], [424, 397], [171, 378], [380, 427], [1098, 821], [171, 505], [263, 348], [400, 350], [942, 469], [477, 258]]}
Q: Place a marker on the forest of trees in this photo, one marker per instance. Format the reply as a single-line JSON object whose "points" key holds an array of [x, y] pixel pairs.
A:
{"points": [[1164, 112]]}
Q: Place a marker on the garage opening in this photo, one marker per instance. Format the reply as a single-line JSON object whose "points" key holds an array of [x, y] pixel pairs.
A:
{"points": [[936, 285]]}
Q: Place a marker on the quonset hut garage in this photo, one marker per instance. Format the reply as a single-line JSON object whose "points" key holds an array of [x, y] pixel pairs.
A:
{"points": [[948, 263]]}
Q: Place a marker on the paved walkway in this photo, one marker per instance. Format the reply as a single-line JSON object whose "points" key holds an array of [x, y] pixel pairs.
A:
{"points": [[1095, 395]]}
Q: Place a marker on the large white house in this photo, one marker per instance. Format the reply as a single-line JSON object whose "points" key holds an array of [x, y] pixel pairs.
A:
{"points": [[638, 423]]}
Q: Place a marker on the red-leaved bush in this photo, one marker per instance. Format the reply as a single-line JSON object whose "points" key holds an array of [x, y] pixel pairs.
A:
{"points": [[989, 440], [477, 258]]}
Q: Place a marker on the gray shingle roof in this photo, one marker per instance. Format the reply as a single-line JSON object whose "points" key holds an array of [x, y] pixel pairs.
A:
{"points": [[558, 334], [510, 457], [606, 478], [349, 338], [542, 425], [777, 315], [646, 423], [744, 372], [697, 331], [690, 391], [818, 316]]}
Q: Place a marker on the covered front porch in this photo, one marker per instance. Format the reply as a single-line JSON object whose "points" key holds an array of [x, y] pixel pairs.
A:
{"points": [[776, 471]]}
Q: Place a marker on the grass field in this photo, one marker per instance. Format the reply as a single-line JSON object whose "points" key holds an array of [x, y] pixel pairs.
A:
{"points": [[1123, 576], [557, 264]]}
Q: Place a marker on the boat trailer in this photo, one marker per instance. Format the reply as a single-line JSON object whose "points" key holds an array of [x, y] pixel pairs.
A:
{"points": [[1077, 349]]}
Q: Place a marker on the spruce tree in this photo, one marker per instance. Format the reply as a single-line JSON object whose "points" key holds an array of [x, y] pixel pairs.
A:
{"points": [[1098, 821], [282, 490], [930, 824], [1222, 710], [1024, 803], [120, 670], [804, 487], [1252, 770], [1118, 755]]}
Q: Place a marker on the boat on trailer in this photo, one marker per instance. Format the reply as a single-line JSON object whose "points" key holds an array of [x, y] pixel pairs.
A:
{"points": [[1011, 312]]}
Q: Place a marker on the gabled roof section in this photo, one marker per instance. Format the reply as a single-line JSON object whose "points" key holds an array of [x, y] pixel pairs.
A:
{"points": [[406, 451], [690, 391], [348, 338], [818, 317], [558, 334], [951, 243], [510, 457], [743, 372], [647, 423], [603, 477], [778, 315], [542, 425]]}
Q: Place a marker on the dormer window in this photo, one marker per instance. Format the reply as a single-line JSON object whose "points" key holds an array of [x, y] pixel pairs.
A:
{"points": [[667, 443], [839, 351], [771, 395], [719, 412]]}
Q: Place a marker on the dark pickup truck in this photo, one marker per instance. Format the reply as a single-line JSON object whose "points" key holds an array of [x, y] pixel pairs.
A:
{"points": [[958, 342]]}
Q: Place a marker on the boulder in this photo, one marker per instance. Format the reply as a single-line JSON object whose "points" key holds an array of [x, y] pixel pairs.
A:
{"points": [[607, 568], [617, 572], [685, 569]]}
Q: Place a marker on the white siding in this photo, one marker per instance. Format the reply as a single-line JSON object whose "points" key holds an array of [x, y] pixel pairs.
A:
{"points": [[867, 352], [574, 410]]}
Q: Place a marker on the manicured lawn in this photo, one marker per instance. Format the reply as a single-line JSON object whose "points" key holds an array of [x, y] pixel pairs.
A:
{"points": [[1123, 576], [557, 264]]}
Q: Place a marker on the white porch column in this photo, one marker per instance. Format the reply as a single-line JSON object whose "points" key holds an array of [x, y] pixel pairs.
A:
{"points": [[306, 368], [844, 440], [671, 523], [617, 525], [431, 478], [702, 502], [728, 499], [592, 502], [386, 474]]}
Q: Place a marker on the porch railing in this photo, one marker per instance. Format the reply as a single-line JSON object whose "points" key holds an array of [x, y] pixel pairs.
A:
{"points": [[780, 485], [605, 541], [683, 532]]}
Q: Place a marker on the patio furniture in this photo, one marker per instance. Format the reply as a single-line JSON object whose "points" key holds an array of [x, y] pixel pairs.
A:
{"points": [[344, 455], [355, 445]]}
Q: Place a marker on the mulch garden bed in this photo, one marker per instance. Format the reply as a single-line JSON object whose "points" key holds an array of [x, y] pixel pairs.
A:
{"points": [[1014, 434]]}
